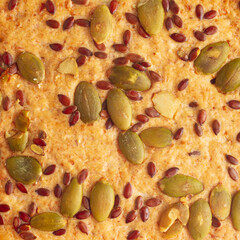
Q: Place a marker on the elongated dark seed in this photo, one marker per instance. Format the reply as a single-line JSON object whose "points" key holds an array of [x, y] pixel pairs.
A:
{"points": [[1, 220], [7, 58], [168, 23], [127, 192], [86, 202], [133, 235], [9, 187], [100, 47], [53, 23], [39, 142], [144, 213], [139, 67], [234, 104], [101, 55], [211, 30], [193, 104], [50, 7], [120, 61], [178, 134], [233, 173], [82, 176], [116, 212], [142, 32], [142, 118], [109, 123], [216, 127], [69, 110], [193, 54], [131, 18], [104, 85], [194, 153], [82, 214], [83, 227], [153, 202], [152, 112], [151, 168], [232, 159], [154, 77], [199, 11], [67, 178], [25, 227], [133, 57], [165, 4], [137, 126], [13, 69], [215, 222], [183, 84], [238, 137], [64, 100], [7, 104], [145, 64], [81, 60], [20, 96], [32, 209], [58, 191], [210, 14], [24, 217], [213, 81], [12, 4], [178, 37], [171, 172], [202, 116], [117, 201], [82, 22], [113, 6], [4, 208], [27, 236], [120, 48], [56, 46], [85, 51], [134, 95], [198, 129], [49, 170], [126, 37], [21, 187], [131, 216], [200, 36], [139, 202], [173, 7], [16, 222], [74, 118], [59, 232], [68, 23], [177, 21], [44, 192]]}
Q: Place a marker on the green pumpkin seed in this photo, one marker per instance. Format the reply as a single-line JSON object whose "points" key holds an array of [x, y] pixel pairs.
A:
{"points": [[101, 24], [228, 78], [87, 100], [22, 121], [128, 78], [119, 108], [157, 137], [31, 67], [26, 170], [212, 57], [72, 199], [220, 202], [235, 211], [18, 142], [101, 200], [151, 16], [48, 221], [180, 185], [200, 219], [131, 146], [173, 231]]}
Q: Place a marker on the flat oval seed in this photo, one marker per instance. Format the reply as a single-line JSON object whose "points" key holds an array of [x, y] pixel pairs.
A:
{"points": [[20, 97], [50, 7], [12, 4], [81, 60], [139, 67], [116, 212], [44, 192], [198, 129], [131, 18], [4, 208], [58, 191], [117, 201], [69, 110], [53, 23], [211, 30], [59, 232], [133, 57], [202, 116], [9, 187], [134, 95], [100, 47], [139, 202], [215, 222], [74, 118], [56, 46], [234, 104], [200, 36], [235, 211], [177, 21], [24, 216], [133, 235], [193, 104], [183, 84], [210, 14], [7, 58], [27, 236], [142, 118], [155, 77], [171, 172], [233, 173], [131, 216], [120, 48], [153, 202], [173, 7], [136, 127], [120, 61], [127, 192], [68, 23], [32, 209], [39, 142], [142, 32], [21, 187], [152, 112], [86, 202], [100, 55], [168, 23], [83, 227], [216, 127], [64, 100], [199, 11], [13, 69], [178, 37], [67, 178], [165, 4], [232, 159], [82, 214], [151, 168], [193, 54], [82, 22], [84, 51], [178, 134], [113, 6], [144, 213], [109, 124], [126, 37], [104, 85], [82, 176]]}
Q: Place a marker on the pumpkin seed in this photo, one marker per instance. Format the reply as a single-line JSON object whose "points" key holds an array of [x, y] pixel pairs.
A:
{"points": [[151, 16], [220, 202], [156, 137], [18, 142], [26, 170], [48, 221], [87, 100], [22, 121], [119, 108], [228, 78], [212, 57], [102, 200], [131, 146], [173, 231], [71, 199], [235, 211], [31, 67], [101, 24], [68, 66], [180, 185], [128, 78], [200, 219]]}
